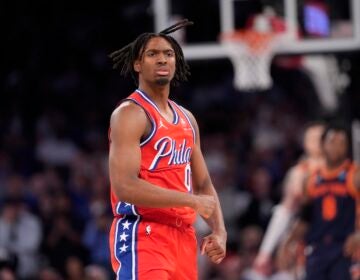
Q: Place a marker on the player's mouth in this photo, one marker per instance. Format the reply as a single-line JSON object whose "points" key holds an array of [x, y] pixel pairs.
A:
{"points": [[162, 72]]}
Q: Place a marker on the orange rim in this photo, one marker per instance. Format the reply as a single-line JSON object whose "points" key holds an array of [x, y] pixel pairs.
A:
{"points": [[256, 41]]}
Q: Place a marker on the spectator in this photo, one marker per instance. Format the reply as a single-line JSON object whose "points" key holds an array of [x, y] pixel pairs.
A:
{"points": [[20, 235]]}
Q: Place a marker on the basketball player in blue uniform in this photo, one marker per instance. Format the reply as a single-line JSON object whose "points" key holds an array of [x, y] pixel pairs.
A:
{"points": [[328, 217]]}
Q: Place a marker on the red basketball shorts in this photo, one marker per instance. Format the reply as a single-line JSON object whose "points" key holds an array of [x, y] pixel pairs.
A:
{"points": [[147, 250]]}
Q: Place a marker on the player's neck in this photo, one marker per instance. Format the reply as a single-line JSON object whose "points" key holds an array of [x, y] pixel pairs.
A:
{"points": [[333, 165], [158, 94]]}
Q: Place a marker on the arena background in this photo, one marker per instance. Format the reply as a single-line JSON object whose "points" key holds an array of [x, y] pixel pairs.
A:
{"points": [[57, 93]]}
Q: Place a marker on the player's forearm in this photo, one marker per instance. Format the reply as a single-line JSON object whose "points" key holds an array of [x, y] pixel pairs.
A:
{"points": [[278, 225], [216, 220], [298, 231], [139, 192]]}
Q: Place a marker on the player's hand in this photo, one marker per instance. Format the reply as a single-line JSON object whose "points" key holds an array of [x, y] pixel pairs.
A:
{"points": [[352, 246], [262, 264], [214, 246], [205, 205], [286, 255], [355, 271]]}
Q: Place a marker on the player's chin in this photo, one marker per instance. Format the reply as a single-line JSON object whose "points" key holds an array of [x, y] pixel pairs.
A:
{"points": [[162, 81]]}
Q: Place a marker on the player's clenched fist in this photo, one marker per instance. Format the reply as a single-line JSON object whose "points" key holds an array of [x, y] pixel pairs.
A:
{"points": [[204, 205], [352, 246], [214, 246]]}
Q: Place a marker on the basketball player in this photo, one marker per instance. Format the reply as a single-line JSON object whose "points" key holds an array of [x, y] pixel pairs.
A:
{"points": [[293, 192], [159, 180], [328, 218]]}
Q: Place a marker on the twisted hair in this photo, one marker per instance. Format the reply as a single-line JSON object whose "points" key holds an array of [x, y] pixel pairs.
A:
{"points": [[124, 58]]}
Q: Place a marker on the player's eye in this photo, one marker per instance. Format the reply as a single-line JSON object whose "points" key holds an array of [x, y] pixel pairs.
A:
{"points": [[170, 53]]}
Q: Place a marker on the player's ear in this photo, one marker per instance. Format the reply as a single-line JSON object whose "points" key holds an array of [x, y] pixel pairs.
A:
{"points": [[137, 66]]}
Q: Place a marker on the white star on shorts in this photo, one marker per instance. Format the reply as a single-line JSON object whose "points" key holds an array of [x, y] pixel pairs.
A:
{"points": [[123, 248], [126, 225], [123, 236]]}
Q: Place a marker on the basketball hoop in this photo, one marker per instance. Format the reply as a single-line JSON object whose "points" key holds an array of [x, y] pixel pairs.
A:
{"points": [[251, 53]]}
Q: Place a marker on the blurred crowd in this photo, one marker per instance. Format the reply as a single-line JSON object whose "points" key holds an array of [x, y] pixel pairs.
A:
{"points": [[58, 91]]}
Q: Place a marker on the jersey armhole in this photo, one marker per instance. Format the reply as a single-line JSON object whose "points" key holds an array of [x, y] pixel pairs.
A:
{"points": [[147, 138]]}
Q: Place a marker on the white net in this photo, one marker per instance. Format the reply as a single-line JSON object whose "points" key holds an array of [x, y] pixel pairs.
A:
{"points": [[251, 57]]}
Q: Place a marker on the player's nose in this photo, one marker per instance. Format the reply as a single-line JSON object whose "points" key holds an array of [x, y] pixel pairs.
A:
{"points": [[162, 58]]}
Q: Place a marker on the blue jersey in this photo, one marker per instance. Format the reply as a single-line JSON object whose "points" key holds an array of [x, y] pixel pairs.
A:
{"points": [[333, 200]]}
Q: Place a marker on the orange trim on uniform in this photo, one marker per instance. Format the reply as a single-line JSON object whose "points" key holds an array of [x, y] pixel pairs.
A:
{"points": [[337, 189], [350, 182], [115, 263], [333, 173]]}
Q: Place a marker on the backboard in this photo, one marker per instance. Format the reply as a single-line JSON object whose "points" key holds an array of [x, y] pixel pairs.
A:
{"points": [[324, 26]]}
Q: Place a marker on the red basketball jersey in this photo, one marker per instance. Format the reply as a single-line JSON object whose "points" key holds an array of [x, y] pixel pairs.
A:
{"points": [[165, 159]]}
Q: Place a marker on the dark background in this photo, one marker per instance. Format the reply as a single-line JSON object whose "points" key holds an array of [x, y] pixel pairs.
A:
{"points": [[57, 86]]}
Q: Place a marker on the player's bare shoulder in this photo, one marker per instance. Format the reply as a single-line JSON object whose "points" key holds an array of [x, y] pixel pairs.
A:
{"points": [[295, 181], [295, 173], [128, 109], [129, 117]]}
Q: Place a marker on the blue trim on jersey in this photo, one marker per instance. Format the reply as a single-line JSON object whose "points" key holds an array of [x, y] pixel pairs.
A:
{"points": [[319, 179], [153, 130], [153, 123], [342, 176], [176, 116], [148, 99], [125, 247]]}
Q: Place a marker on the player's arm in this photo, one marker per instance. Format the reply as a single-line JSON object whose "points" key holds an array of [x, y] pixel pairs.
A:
{"points": [[127, 126], [294, 189], [287, 249], [352, 244], [281, 218], [213, 245], [357, 178], [286, 253]]}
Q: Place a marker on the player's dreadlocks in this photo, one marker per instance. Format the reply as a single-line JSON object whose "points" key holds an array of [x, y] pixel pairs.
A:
{"points": [[124, 58]]}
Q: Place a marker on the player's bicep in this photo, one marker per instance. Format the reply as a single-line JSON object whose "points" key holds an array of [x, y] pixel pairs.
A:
{"points": [[293, 187], [357, 178], [127, 126]]}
